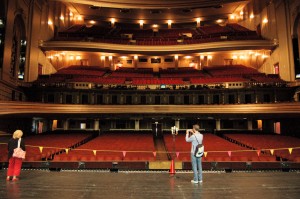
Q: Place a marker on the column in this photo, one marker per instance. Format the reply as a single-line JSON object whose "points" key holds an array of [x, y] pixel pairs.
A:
{"points": [[169, 24], [96, 125], [249, 125], [43, 97], [256, 97], [111, 63], [208, 97], [199, 66], [61, 98], [218, 124], [137, 125], [102, 63], [66, 124], [223, 98], [176, 61], [92, 99], [275, 95], [238, 98], [134, 63], [198, 20], [177, 123]]}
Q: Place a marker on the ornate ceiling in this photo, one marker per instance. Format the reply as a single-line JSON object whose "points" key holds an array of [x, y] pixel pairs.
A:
{"points": [[154, 11]]}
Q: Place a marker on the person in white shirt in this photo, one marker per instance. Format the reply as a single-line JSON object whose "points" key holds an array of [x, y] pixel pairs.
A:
{"points": [[195, 137]]}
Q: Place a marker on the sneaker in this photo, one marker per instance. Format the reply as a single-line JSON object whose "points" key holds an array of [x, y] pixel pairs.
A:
{"points": [[193, 181], [200, 181], [8, 179]]}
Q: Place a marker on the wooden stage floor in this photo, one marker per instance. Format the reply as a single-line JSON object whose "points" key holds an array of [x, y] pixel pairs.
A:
{"points": [[39, 184]]}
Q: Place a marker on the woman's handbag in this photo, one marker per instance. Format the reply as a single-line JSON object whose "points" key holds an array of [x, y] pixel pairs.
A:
{"points": [[18, 152]]}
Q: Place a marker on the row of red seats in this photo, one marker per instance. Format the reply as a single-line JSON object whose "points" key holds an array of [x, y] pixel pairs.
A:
{"points": [[138, 33], [185, 72], [114, 157], [163, 37], [112, 41], [130, 74], [101, 31], [183, 75], [157, 81], [237, 27], [216, 71], [116, 80], [217, 149], [218, 74], [98, 73], [270, 142], [214, 29], [151, 42], [80, 67], [127, 142], [138, 70], [57, 142], [174, 33], [216, 80], [213, 158], [266, 79]]}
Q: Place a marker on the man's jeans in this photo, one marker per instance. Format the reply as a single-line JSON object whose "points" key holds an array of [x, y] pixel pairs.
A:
{"points": [[197, 167]]}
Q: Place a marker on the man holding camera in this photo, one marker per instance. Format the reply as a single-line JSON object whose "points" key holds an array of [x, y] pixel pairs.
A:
{"points": [[196, 138]]}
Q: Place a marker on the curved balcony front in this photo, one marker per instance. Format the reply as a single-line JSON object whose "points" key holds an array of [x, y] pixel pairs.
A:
{"points": [[159, 49]]}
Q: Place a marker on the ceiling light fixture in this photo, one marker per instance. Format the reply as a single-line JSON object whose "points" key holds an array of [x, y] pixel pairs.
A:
{"points": [[219, 21]]}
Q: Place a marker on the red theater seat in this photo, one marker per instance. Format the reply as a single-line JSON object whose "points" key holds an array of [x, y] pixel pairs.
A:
{"points": [[297, 159], [269, 142]]}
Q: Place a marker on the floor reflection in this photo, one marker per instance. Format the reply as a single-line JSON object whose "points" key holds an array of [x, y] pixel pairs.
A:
{"points": [[196, 190], [13, 190]]}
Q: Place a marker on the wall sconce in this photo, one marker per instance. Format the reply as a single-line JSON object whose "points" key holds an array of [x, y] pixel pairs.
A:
{"points": [[141, 22], [198, 20], [112, 21]]}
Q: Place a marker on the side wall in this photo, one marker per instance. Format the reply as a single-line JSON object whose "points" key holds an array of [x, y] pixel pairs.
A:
{"points": [[280, 16]]}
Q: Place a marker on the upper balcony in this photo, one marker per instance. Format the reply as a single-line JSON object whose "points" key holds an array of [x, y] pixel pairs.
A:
{"points": [[160, 42]]}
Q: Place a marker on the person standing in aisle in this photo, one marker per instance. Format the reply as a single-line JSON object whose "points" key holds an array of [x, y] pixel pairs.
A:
{"points": [[196, 138]]}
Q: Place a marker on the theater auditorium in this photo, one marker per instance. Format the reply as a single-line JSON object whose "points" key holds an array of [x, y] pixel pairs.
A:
{"points": [[104, 92]]}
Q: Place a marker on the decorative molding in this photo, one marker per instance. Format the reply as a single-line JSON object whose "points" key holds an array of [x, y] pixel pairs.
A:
{"points": [[17, 108], [151, 4], [158, 50]]}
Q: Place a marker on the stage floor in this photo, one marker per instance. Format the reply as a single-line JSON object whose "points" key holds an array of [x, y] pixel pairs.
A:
{"points": [[88, 184]]}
